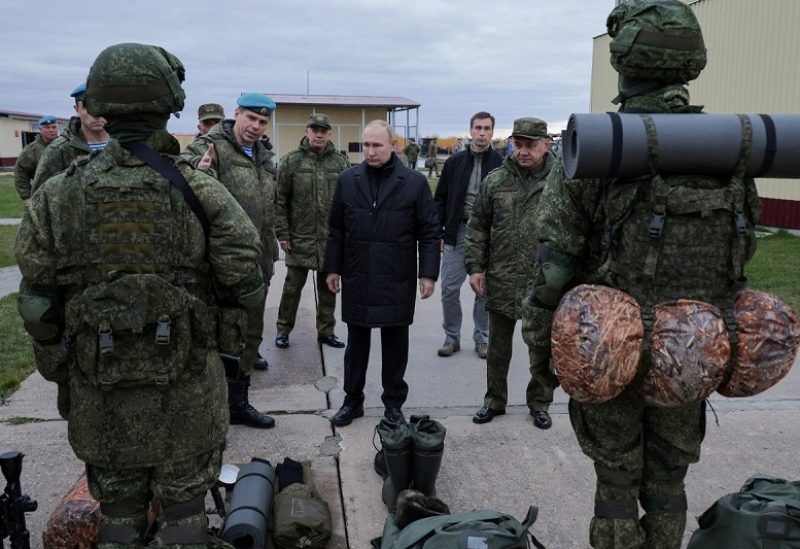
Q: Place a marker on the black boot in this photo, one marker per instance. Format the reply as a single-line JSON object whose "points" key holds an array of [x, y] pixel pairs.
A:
{"points": [[428, 436], [242, 413], [398, 454]]}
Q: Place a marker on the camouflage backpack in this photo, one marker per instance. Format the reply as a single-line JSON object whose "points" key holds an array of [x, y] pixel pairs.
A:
{"points": [[656, 40], [679, 236]]}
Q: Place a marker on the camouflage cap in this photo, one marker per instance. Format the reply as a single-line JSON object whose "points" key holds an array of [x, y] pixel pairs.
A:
{"points": [[320, 120], [210, 111], [530, 127]]}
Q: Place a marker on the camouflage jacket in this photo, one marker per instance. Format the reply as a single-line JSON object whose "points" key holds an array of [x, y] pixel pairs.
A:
{"points": [[65, 148], [251, 181], [501, 239], [67, 247], [25, 168], [306, 183], [412, 153]]}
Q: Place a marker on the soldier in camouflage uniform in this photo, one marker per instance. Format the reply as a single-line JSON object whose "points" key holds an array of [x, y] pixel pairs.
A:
{"points": [[121, 279], [84, 134], [233, 149], [657, 238], [28, 159], [411, 150], [306, 182], [499, 234]]}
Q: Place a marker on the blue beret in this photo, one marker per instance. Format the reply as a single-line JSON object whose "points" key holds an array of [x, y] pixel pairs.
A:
{"points": [[47, 119], [257, 102], [80, 92]]}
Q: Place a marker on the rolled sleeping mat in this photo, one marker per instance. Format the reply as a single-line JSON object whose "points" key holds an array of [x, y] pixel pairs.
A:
{"points": [[246, 525], [615, 145]]}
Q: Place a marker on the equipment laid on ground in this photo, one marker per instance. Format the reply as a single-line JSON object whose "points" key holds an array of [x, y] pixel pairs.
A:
{"points": [[302, 520], [763, 514], [246, 524], [75, 521], [14, 505], [619, 144]]}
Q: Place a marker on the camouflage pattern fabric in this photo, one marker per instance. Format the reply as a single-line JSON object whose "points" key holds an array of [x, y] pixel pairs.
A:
{"points": [[65, 148], [412, 154], [503, 213], [251, 181], [641, 456], [25, 167], [177, 481], [606, 224], [296, 278], [306, 182], [539, 393], [765, 351], [68, 249]]}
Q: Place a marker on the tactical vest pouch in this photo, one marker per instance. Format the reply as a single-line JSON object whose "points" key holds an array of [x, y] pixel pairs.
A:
{"points": [[137, 330], [231, 330], [763, 514], [596, 342], [767, 340], [302, 519], [689, 352]]}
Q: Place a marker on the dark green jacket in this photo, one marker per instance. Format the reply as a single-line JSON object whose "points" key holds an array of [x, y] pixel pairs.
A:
{"points": [[65, 148], [25, 168], [501, 239], [306, 183], [251, 181]]}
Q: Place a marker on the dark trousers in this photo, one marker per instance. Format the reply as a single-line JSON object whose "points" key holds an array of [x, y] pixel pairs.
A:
{"points": [[394, 359]]}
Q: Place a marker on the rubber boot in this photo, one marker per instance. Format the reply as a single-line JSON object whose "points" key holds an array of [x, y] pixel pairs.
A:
{"points": [[242, 413], [398, 455], [183, 525], [428, 435]]}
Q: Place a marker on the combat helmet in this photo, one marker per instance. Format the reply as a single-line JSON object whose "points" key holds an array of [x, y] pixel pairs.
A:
{"points": [[135, 78], [656, 40]]}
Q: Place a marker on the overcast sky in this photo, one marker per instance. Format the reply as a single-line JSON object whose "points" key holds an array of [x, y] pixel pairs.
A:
{"points": [[453, 57]]}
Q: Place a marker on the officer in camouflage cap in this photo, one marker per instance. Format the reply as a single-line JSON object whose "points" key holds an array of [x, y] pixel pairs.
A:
{"points": [[28, 159], [122, 278], [306, 182], [658, 239], [209, 115], [499, 234], [85, 133], [234, 150]]}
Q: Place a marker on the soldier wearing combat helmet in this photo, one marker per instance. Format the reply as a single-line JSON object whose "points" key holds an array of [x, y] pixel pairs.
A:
{"points": [[649, 238], [125, 267]]}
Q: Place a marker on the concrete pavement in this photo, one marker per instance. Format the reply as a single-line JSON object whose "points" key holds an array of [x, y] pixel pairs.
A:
{"points": [[507, 464]]}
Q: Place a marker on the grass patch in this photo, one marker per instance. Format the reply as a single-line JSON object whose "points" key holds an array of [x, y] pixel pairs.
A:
{"points": [[16, 352], [8, 233], [774, 268], [10, 203], [21, 420]]}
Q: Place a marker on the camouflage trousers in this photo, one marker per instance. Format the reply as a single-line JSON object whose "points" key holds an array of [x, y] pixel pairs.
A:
{"points": [[290, 300], [254, 336], [539, 393], [125, 496], [641, 456]]}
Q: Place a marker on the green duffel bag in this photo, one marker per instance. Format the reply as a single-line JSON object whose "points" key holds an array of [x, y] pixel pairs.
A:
{"points": [[763, 514], [475, 529], [301, 519]]}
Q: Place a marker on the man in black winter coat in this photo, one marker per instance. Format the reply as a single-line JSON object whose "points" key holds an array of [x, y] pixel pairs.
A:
{"points": [[382, 215]]}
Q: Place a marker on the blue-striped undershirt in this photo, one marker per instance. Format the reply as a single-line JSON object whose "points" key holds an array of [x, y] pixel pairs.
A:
{"points": [[248, 151], [98, 146]]}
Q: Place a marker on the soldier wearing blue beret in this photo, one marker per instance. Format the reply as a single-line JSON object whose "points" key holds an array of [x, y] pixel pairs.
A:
{"points": [[28, 159]]}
